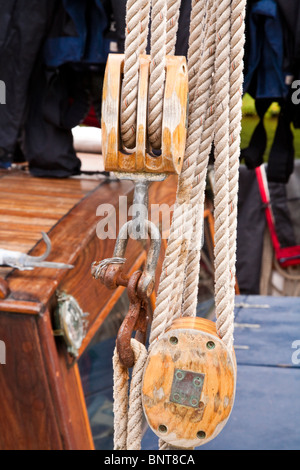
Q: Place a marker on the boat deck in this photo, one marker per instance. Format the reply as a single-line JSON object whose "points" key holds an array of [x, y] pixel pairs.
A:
{"points": [[266, 414], [30, 205]]}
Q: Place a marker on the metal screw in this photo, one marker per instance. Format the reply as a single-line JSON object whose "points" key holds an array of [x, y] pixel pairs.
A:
{"points": [[173, 340], [176, 397], [162, 428], [194, 402], [197, 382], [179, 375], [210, 345], [201, 435]]}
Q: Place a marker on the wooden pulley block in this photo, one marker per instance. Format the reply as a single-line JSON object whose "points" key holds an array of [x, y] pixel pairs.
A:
{"points": [[189, 384], [142, 159]]}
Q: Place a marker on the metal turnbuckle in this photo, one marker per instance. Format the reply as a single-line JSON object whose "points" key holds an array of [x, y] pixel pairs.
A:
{"points": [[142, 160]]}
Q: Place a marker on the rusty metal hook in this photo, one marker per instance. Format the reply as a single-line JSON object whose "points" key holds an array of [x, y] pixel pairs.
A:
{"points": [[136, 320]]}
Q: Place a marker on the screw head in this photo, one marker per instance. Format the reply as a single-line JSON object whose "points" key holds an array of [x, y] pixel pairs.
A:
{"points": [[201, 435], [179, 375], [174, 340], [198, 382], [162, 428], [194, 402], [177, 397]]}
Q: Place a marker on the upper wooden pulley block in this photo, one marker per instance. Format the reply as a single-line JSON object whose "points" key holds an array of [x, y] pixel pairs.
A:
{"points": [[189, 384], [174, 120]]}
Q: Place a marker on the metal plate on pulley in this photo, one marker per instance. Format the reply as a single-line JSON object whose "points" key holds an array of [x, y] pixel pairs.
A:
{"points": [[187, 388]]}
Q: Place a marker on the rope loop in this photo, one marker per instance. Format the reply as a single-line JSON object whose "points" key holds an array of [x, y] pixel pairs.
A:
{"points": [[128, 413]]}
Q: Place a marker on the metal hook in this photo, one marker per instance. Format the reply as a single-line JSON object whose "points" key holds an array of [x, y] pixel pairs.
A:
{"points": [[47, 252], [146, 283], [24, 262]]}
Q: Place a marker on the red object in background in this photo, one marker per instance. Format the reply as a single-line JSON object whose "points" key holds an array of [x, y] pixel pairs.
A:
{"points": [[286, 256], [91, 119]]}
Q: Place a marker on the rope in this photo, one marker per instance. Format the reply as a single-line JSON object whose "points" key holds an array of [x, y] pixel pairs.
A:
{"points": [[215, 62], [172, 25], [186, 281], [182, 217], [184, 212], [204, 143], [221, 141], [157, 71], [235, 118], [128, 412], [133, 42], [144, 26]]}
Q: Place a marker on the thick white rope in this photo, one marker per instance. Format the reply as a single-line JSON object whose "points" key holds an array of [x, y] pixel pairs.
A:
{"points": [[128, 412], [221, 173], [236, 80], [226, 180], [224, 290], [157, 71], [144, 25], [198, 124], [238, 8], [189, 278], [120, 396], [133, 41], [197, 27], [182, 223], [137, 19], [173, 10]]}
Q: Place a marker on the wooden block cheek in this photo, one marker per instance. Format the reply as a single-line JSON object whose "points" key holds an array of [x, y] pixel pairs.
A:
{"points": [[177, 423], [174, 119]]}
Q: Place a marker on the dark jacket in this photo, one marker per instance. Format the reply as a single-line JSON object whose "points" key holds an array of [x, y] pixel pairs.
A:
{"points": [[271, 65], [264, 74], [77, 34], [52, 59]]}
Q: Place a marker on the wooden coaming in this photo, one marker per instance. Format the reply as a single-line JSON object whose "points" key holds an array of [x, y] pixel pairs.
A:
{"points": [[44, 406]]}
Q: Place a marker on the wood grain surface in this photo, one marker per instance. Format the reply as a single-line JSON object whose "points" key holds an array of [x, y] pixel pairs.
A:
{"points": [[43, 406]]}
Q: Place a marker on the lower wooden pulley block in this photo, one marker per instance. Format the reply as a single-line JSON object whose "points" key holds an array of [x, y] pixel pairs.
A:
{"points": [[189, 384]]}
